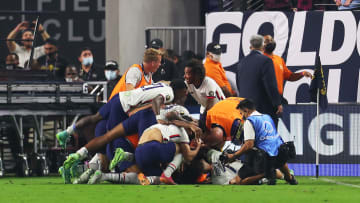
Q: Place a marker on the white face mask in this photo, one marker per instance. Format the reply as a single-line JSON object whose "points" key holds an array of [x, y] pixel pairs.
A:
{"points": [[215, 57], [110, 74], [68, 79], [88, 61]]}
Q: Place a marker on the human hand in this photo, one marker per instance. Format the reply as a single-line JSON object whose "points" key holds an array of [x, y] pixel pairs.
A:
{"points": [[22, 26], [279, 109], [338, 2], [40, 27], [197, 131], [307, 74], [347, 3]]}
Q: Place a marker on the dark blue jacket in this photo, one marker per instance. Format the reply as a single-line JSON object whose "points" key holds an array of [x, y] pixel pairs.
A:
{"points": [[255, 80]]}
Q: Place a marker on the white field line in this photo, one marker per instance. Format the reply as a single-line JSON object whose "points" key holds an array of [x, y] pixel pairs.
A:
{"points": [[337, 182]]}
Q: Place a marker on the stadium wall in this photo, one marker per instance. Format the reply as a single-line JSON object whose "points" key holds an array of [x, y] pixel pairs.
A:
{"points": [[126, 22]]}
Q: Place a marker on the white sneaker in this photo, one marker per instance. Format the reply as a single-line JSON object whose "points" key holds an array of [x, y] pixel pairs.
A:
{"points": [[96, 178], [84, 177]]}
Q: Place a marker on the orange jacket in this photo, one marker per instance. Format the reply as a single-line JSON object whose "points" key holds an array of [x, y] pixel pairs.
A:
{"points": [[215, 71], [281, 71], [223, 114], [121, 85]]}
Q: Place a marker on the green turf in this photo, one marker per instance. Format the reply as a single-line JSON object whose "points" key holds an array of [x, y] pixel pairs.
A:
{"points": [[51, 189]]}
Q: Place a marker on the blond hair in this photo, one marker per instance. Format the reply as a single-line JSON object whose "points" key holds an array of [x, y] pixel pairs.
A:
{"points": [[151, 55]]}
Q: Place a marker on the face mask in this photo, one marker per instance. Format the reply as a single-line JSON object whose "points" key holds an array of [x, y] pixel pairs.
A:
{"points": [[10, 66], [110, 75], [270, 47], [52, 54], [216, 57], [68, 79], [88, 61]]}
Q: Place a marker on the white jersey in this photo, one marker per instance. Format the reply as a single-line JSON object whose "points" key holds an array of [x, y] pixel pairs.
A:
{"points": [[144, 95], [208, 89], [179, 110], [172, 133], [222, 174]]}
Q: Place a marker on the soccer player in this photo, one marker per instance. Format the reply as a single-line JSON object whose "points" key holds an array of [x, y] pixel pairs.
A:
{"points": [[120, 107], [135, 124], [260, 132], [204, 89]]}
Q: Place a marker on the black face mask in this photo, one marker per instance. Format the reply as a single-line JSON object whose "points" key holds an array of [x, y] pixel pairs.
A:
{"points": [[52, 55], [270, 47]]}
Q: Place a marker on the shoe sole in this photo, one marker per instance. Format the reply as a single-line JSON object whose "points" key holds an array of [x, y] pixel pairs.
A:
{"points": [[143, 180]]}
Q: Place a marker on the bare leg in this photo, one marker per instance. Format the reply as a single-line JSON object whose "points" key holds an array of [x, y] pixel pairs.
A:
{"points": [[285, 170], [87, 121], [252, 179]]}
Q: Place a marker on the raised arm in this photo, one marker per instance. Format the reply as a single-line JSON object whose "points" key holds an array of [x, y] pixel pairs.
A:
{"points": [[20, 27]]}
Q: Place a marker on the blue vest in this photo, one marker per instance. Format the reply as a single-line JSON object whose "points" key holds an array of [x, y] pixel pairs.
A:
{"points": [[266, 136]]}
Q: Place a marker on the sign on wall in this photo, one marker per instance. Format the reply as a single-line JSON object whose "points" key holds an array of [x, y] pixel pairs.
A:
{"points": [[299, 36]]}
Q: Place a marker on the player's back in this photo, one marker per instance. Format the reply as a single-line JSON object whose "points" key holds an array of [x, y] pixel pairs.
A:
{"points": [[144, 95], [172, 133]]}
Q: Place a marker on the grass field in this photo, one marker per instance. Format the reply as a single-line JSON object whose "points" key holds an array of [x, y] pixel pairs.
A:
{"points": [[51, 189]]}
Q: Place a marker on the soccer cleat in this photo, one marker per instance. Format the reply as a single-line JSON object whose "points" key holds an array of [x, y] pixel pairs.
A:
{"points": [[167, 180], [293, 181], [72, 161], [62, 138], [118, 157], [95, 178], [84, 177], [143, 179], [65, 174]]}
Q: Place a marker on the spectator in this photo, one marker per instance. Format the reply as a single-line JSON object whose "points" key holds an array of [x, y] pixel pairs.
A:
{"points": [[348, 4], [27, 40], [172, 56], [112, 75], [71, 74], [89, 71], [139, 75], [53, 61], [281, 71], [260, 132], [12, 62], [214, 69], [255, 79], [34, 65], [167, 69]]}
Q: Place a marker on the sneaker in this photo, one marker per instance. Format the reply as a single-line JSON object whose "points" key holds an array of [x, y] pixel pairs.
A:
{"points": [[167, 180], [72, 160], [65, 174], [62, 138], [271, 182], [84, 177], [118, 157], [293, 181], [95, 178], [263, 181], [143, 179]]}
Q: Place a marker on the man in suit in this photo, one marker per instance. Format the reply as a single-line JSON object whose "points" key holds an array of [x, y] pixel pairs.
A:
{"points": [[255, 79]]}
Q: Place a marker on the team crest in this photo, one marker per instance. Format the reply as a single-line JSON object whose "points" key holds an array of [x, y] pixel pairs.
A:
{"points": [[211, 93], [167, 97]]}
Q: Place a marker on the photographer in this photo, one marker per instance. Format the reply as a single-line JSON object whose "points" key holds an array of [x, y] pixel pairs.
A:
{"points": [[263, 146], [27, 38]]}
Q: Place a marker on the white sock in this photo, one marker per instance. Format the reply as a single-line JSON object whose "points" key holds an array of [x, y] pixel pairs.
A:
{"points": [[70, 130], [83, 152], [173, 165], [154, 180], [95, 162], [121, 178]]}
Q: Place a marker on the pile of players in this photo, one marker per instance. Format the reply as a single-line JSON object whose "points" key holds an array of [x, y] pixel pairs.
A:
{"points": [[144, 135]]}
